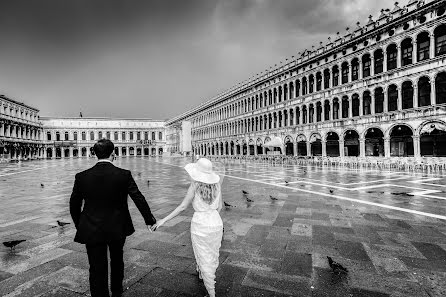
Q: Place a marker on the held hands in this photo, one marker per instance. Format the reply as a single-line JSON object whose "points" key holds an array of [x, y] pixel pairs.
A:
{"points": [[158, 224]]}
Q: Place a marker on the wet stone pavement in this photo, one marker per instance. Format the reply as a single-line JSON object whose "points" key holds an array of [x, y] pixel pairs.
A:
{"points": [[387, 228]]}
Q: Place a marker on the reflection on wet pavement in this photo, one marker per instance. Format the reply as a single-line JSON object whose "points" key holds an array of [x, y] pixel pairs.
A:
{"points": [[387, 228]]}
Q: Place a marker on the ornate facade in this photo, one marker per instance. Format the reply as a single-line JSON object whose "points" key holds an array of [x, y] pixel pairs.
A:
{"points": [[379, 90], [75, 137], [20, 131]]}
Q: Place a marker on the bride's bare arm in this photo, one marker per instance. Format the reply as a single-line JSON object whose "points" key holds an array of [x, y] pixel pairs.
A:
{"points": [[184, 204]]}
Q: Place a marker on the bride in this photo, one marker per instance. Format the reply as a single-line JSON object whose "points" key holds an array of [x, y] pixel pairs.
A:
{"points": [[206, 225]]}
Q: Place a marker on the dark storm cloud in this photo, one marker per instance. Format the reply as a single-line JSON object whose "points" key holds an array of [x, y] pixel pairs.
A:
{"points": [[153, 58]]}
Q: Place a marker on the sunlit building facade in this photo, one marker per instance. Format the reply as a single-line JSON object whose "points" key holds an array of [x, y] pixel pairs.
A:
{"points": [[20, 131], [379, 90], [75, 137]]}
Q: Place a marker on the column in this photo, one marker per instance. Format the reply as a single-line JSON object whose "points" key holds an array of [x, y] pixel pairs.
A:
{"points": [[127, 152], [414, 52], [324, 148], [349, 76], [309, 148], [386, 147], [350, 107], [433, 92], [295, 148], [432, 46], [330, 85], [384, 61], [341, 148], [400, 98], [71, 152], [386, 101], [416, 146], [372, 65], [361, 105], [415, 96], [362, 147], [2, 130], [331, 110], [372, 103], [398, 56], [360, 75]]}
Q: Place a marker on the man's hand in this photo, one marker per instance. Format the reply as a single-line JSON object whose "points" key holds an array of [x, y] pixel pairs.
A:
{"points": [[149, 228]]}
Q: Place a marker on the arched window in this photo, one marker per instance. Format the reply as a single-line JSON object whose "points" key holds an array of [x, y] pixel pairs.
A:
{"points": [[75, 136], [153, 135], [366, 103], [379, 61], [379, 100], [355, 105], [115, 136], [160, 135], [304, 114], [57, 136], [138, 135], [392, 97], [311, 83], [318, 81], [327, 110], [318, 111], [407, 95], [392, 55], [123, 136], [100, 135], [335, 108], [91, 135], [67, 137], [304, 85], [48, 136], [345, 107], [440, 88], [311, 114], [84, 136], [440, 40], [146, 135], [355, 69], [107, 135], [424, 92], [423, 41], [366, 63], [326, 78], [335, 75], [345, 73], [406, 52]]}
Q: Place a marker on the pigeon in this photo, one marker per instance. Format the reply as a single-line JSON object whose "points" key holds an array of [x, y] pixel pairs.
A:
{"points": [[273, 198], [286, 182], [244, 192], [148, 181], [228, 205], [331, 191], [62, 224], [249, 200], [42, 185], [336, 267], [11, 244]]}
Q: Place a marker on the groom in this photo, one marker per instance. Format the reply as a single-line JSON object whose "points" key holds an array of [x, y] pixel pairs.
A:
{"points": [[104, 220]]}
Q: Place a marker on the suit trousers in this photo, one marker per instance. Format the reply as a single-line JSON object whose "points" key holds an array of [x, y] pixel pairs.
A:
{"points": [[98, 260]]}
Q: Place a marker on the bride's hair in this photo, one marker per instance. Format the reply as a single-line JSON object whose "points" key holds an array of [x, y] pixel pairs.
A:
{"points": [[207, 192]]}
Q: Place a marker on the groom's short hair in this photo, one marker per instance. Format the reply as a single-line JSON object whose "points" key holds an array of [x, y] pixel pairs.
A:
{"points": [[103, 148]]}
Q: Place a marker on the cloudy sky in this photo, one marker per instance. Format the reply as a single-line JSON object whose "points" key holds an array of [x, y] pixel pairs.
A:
{"points": [[154, 58]]}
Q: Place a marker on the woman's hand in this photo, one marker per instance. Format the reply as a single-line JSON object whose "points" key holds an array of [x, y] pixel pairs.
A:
{"points": [[158, 224]]}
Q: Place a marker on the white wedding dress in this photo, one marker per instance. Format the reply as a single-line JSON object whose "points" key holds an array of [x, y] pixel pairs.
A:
{"points": [[206, 233]]}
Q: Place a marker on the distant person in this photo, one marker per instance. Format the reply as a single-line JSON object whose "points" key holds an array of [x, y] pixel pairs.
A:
{"points": [[104, 221], [206, 226]]}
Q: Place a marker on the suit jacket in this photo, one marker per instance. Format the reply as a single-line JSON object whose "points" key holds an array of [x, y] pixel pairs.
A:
{"points": [[105, 216]]}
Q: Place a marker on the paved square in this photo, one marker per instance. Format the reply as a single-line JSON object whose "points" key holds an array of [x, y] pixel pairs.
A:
{"points": [[387, 228]]}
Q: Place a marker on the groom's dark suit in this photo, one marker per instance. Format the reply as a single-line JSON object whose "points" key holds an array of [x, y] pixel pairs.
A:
{"points": [[105, 220]]}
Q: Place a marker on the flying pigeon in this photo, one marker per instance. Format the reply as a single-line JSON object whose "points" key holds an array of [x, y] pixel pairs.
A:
{"points": [[228, 205], [42, 185], [62, 224], [11, 244], [273, 198], [244, 192], [336, 267]]}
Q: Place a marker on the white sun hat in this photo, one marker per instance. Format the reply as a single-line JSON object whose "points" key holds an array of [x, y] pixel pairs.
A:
{"points": [[201, 171]]}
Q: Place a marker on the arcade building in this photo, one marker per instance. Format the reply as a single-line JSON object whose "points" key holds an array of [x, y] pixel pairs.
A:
{"points": [[377, 91]]}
